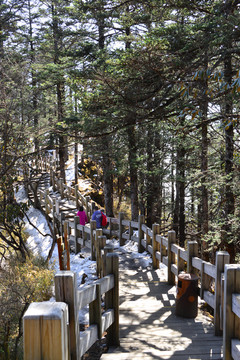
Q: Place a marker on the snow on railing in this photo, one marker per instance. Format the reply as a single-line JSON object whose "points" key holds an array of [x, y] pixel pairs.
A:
{"points": [[221, 292], [51, 329]]}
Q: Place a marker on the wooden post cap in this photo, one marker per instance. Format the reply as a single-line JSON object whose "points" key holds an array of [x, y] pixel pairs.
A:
{"points": [[46, 309], [45, 332]]}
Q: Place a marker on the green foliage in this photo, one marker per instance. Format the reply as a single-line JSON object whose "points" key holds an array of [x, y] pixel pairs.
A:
{"points": [[21, 283], [101, 70]]}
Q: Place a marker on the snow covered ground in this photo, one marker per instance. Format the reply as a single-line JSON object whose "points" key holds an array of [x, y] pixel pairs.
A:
{"points": [[80, 263]]}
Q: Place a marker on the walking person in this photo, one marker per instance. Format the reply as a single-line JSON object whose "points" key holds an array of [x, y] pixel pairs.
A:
{"points": [[82, 216], [97, 216]]}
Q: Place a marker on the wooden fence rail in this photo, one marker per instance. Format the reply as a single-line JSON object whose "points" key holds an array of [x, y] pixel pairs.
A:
{"points": [[50, 326], [231, 303], [213, 289]]}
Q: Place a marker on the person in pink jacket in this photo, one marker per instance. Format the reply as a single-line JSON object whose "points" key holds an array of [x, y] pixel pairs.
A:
{"points": [[82, 216]]}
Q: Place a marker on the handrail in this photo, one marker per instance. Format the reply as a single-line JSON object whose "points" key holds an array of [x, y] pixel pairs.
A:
{"points": [[46, 324], [163, 250], [231, 338]]}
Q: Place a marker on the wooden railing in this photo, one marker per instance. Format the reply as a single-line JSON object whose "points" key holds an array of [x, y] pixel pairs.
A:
{"points": [[212, 287], [231, 332], [51, 329]]}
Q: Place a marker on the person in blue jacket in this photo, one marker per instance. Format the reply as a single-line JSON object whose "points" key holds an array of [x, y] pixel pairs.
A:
{"points": [[97, 216]]}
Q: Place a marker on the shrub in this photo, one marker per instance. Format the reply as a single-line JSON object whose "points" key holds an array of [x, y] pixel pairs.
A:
{"points": [[20, 284]]}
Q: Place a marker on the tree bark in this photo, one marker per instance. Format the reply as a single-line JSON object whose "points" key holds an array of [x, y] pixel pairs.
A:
{"points": [[105, 143], [179, 210], [229, 146], [204, 162], [229, 149], [107, 178], [132, 160], [132, 153], [150, 180], [181, 171], [60, 91], [34, 79]]}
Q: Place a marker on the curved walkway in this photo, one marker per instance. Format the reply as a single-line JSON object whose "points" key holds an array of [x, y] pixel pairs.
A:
{"points": [[149, 328]]}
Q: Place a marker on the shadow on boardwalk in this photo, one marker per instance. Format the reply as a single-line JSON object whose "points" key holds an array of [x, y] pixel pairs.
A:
{"points": [[149, 328]]}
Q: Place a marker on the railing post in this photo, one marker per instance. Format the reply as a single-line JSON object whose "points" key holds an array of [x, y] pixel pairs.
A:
{"points": [[140, 233], [76, 244], [76, 195], [112, 299], [222, 258], [60, 251], [66, 291], [84, 235], [62, 219], [53, 181], [171, 256], [92, 209], [93, 227], [54, 161], [192, 252], [155, 245], [88, 211], [45, 333], [66, 242], [51, 176], [148, 239], [107, 249], [98, 234], [110, 227], [163, 250], [54, 219], [46, 201], [231, 321], [95, 311], [120, 219], [102, 243]]}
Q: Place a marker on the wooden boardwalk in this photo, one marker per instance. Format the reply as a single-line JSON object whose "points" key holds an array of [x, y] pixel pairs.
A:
{"points": [[149, 328]]}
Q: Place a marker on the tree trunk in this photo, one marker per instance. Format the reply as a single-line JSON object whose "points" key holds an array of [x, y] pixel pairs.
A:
{"points": [[229, 147], [76, 160], [132, 160], [181, 165], [132, 154], [150, 180], [105, 143], [172, 183], [34, 80], [107, 178], [62, 138], [60, 91], [158, 177], [204, 163], [179, 211]]}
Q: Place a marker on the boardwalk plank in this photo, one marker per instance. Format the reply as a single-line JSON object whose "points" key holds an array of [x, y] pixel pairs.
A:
{"points": [[149, 328]]}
